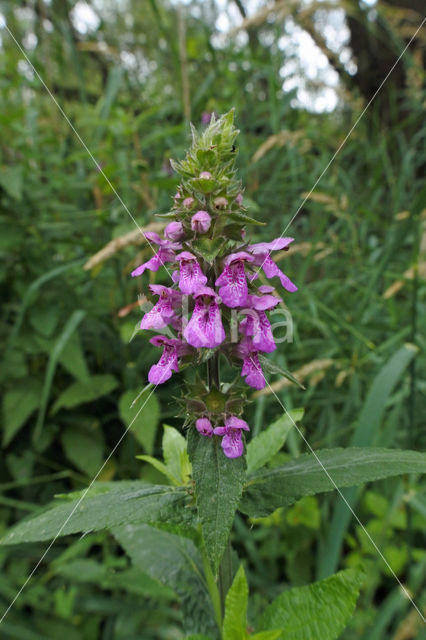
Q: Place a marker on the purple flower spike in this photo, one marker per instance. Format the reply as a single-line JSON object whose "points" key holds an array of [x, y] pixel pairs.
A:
{"points": [[205, 329], [232, 281], [262, 258], [191, 278], [232, 442], [168, 362], [162, 313], [251, 366], [158, 260], [201, 222], [203, 426], [174, 231]]}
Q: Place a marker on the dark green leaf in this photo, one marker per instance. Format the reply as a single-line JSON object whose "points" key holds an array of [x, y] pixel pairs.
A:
{"points": [[125, 502], [81, 392], [218, 486], [173, 561], [18, 405], [271, 367], [142, 415], [84, 447], [269, 489]]}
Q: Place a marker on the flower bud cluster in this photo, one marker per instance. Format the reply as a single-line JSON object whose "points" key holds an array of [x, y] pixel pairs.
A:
{"points": [[214, 270]]}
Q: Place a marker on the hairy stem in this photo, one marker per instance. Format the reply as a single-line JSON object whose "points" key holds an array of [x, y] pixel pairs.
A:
{"points": [[225, 575], [215, 596]]}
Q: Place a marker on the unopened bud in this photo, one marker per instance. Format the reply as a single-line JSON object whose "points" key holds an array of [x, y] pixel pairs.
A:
{"points": [[203, 426], [201, 222], [221, 203], [174, 231]]}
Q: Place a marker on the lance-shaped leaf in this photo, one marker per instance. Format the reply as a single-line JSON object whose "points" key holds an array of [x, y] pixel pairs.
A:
{"points": [[264, 446], [218, 486], [316, 611], [324, 471], [235, 620], [125, 502], [174, 561]]}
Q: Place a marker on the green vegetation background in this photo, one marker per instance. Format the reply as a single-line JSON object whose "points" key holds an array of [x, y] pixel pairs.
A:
{"points": [[70, 368]]}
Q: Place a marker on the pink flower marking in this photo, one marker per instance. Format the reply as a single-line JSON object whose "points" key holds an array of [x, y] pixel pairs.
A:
{"points": [[205, 328], [164, 310], [232, 281], [191, 278]]}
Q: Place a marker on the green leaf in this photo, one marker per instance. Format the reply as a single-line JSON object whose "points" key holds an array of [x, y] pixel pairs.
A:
{"points": [[208, 248], [316, 611], [235, 619], [81, 392], [72, 358], [241, 217], [18, 404], [269, 489], [175, 455], [142, 415], [173, 561], [70, 327], [264, 446], [273, 634], [218, 486], [365, 434], [84, 447], [271, 367], [11, 179], [125, 503], [160, 466]]}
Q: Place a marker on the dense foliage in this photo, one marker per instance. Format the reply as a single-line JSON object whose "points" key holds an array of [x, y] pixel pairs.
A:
{"points": [[72, 364]]}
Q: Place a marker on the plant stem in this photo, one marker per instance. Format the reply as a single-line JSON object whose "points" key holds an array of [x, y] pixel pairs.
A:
{"points": [[215, 596], [225, 575], [213, 372]]}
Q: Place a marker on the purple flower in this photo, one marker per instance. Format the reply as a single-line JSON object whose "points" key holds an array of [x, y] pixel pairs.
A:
{"points": [[205, 175], [232, 442], [206, 117], [174, 231], [256, 326], [201, 222], [188, 202], [165, 243], [205, 329], [232, 281], [162, 313], [239, 199], [262, 258], [158, 260], [251, 366], [191, 278], [172, 348], [203, 426]]}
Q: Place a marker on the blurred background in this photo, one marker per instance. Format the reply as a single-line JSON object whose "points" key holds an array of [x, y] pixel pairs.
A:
{"points": [[130, 75]]}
